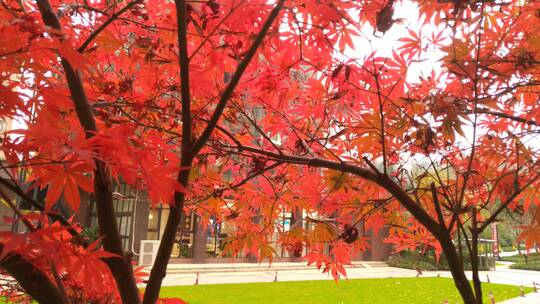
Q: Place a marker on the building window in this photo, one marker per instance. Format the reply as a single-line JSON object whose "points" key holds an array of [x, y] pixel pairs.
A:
{"points": [[124, 199], [284, 221], [155, 217]]}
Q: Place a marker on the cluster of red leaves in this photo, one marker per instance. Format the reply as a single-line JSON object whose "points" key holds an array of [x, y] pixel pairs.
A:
{"points": [[414, 238], [332, 263], [81, 269]]}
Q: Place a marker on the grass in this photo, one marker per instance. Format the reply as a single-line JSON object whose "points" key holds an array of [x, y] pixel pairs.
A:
{"points": [[373, 291]]}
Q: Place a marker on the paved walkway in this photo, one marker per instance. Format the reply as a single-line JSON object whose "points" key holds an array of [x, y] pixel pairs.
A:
{"points": [[265, 274], [186, 274], [530, 298]]}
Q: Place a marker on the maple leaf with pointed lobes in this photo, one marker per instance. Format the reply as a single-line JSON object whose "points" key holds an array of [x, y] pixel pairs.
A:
{"points": [[375, 222], [412, 46], [531, 235], [65, 180], [11, 100], [161, 183], [323, 232]]}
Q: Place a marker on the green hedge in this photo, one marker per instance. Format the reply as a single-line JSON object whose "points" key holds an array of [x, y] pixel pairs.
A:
{"points": [[535, 265], [415, 260], [508, 249], [520, 258], [525, 262]]}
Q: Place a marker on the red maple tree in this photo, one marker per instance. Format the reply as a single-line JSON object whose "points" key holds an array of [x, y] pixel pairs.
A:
{"points": [[238, 110]]}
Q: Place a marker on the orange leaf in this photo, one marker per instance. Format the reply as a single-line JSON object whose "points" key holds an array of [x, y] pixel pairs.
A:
{"points": [[83, 181], [71, 194], [53, 193]]}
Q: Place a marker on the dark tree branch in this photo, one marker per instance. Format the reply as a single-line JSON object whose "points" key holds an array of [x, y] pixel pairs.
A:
{"points": [[227, 94], [120, 266], [505, 204], [381, 113], [442, 235], [508, 116], [251, 176], [59, 282], [371, 165], [79, 239], [102, 27], [386, 182], [475, 108], [466, 239], [437, 205], [8, 201], [474, 257], [158, 272], [256, 126], [446, 193], [189, 150], [34, 281], [211, 33], [181, 19]]}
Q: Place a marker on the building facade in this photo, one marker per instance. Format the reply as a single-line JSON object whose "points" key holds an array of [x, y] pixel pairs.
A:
{"points": [[141, 225], [5, 211]]}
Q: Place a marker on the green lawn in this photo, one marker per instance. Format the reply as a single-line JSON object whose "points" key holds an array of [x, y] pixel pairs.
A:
{"points": [[373, 291]]}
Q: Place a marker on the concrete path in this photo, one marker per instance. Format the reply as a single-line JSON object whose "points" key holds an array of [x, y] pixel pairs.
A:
{"points": [[530, 298]]}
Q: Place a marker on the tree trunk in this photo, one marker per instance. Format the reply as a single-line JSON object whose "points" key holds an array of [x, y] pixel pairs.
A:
{"points": [[441, 233], [34, 282], [438, 230], [120, 266], [474, 259], [474, 265], [159, 270], [460, 246], [456, 268]]}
